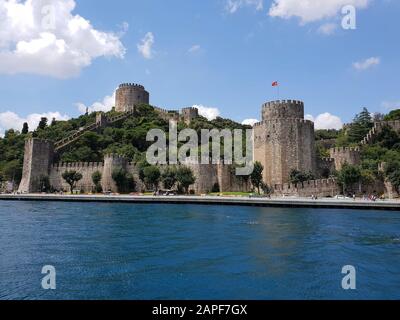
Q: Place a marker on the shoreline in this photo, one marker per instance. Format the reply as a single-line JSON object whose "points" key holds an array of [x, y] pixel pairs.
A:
{"points": [[388, 205]]}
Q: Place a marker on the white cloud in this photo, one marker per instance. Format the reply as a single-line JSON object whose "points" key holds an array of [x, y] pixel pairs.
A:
{"points": [[366, 64], [11, 120], [327, 28], [206, 112], [195, 48], [145, 47], [390, 105], [44, 37], [105, 105], [234, 5], [309, 11], [250, 122], [326, 121]]}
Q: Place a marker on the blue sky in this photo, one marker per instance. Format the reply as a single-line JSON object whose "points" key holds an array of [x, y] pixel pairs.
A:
{"points": [[221, 54]]}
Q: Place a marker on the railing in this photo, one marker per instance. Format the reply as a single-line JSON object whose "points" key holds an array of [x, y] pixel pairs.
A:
{"points": [[61, 144]]}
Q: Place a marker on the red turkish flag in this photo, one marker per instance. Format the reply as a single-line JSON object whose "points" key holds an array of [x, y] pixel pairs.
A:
{"points": [[275, 84]]}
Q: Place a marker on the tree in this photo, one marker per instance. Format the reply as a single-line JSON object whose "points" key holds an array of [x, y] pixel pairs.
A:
{"points": [[367, 178], [377, 117], [361, 125], [256, 176], [96, 178], [168, 177], [393, 115], [12, 171], [394, 178], [266, 189], [297, 176], [185, 178], [72, 177], [25, 128], [388, 138], [123, 179], [348, 176], [1, 180], [392, 172], [43, 123], [152, 176]]}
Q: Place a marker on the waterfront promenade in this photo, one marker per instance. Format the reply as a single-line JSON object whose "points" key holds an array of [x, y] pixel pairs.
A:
{"points": [[214, 200]]}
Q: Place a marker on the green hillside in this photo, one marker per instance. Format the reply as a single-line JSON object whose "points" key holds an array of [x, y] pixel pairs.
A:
{"points": [[385, 148], [127, 137]]}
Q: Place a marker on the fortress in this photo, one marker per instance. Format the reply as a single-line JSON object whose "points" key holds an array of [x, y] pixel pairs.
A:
{"points": [[283, 141]]}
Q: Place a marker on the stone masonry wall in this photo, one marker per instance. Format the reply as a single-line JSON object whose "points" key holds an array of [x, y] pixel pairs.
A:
{"points": [[206, 176], [282, 145], [85, 168], [320, 188], [38, 158], [395, 125], [284, 141], [351, 156]]}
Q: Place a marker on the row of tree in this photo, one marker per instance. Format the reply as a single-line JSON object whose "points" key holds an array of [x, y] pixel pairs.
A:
{"points": [[180, 177]]}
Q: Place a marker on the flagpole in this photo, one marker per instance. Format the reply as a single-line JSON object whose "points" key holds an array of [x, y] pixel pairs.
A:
{"points": [[277, 85]]}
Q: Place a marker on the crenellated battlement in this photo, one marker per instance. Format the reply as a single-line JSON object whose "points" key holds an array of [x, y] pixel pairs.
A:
{"points": [[130, 94], [320, 187], [376, 129], [278, 103], [135, 85], [113, 157], [283, 109], [76, 165], [345, 155], [188, 114], [161, 110], [283, 121], [340, 150], [190, 109]]}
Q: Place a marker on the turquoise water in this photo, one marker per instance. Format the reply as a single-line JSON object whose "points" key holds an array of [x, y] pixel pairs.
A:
{"points": [[126, 251]]}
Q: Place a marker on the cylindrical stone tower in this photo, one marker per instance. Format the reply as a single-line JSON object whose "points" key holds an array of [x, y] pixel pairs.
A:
{"points": [[130, 94], [284, 141]]}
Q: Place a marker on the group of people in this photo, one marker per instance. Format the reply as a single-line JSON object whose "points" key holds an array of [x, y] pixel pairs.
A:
{"points": [[372, 197]]}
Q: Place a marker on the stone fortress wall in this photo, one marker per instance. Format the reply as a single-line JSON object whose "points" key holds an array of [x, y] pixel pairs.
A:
{"points": [[85, 168], [320, 188], [38, 162], [395, 125], [38, 158], [128, 95], [283, 141], [345, 155]]}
